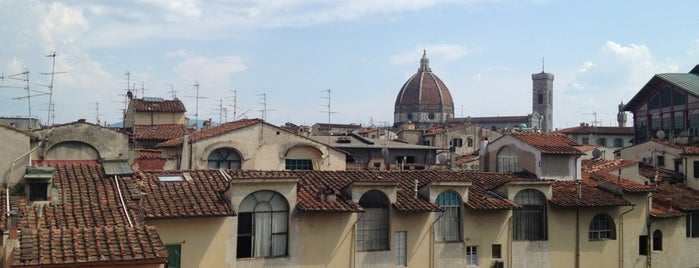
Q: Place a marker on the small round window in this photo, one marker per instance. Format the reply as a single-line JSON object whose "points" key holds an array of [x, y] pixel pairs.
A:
{"points": [[430, 116]]}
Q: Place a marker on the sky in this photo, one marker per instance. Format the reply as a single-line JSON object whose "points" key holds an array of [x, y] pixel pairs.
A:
{"points": [[297, 60]]}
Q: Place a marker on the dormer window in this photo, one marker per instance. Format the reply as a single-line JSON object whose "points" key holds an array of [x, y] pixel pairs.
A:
{"points": [[37, 183]]}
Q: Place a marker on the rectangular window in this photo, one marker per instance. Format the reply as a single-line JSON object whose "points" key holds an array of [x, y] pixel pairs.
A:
{"points": [[696, 169], [407, 159], [304, 164], [457, 142], [618, 142], [472, 255], [497, 251], [643, 245], [693, 224], [38, 191], [585, 140], [401, 246], [602, 141], [470, 141], [426, 142], [660, 160], [174, 254]]}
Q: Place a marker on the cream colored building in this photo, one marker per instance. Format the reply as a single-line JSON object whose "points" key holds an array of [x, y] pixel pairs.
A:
{"points": [[250, 144]]}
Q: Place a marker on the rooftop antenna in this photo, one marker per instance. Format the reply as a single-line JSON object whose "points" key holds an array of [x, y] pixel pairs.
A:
{"points": [[235, 105], [127, 94], [24, 76], [594, 122], [143, 88], [221, 111], [264, 106], [172, 91], [196, 113], [329, 111], [50, 86], [97, 112]]}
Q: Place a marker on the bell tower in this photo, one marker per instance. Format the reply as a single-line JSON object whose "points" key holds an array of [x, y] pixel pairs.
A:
{"points": [[542, 100]]}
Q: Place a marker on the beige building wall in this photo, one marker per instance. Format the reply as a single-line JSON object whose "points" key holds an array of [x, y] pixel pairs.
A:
{"points": [[204, 241], [159, 118], [13, 146], [82, 140], [485, 229], [691, 180], [263, 147], [648, 152], [327, 239]]}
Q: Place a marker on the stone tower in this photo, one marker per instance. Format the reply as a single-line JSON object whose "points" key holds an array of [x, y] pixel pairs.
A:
{"points": [[424, 99], [621, 116], [542, 100]]}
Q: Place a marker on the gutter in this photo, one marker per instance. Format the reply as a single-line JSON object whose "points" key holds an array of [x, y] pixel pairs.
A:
{"points": [[121, 198]]}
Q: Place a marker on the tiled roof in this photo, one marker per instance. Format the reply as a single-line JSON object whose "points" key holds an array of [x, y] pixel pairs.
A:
{"points": [[86, 198], [85, 224], [167, 106], [148, 154], [25, 132], [595, 170], [58, 163], [87, 246], [678, 196], [691, 149], [597, 130], [212, 132], [312, 183], [663, 210], [596, 165], [159, 132], [565, 194], [199, 194], [549, 143], [586, 147]]}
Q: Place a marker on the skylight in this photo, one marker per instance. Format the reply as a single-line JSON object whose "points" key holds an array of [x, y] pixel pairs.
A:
{"points": [[171, 177]]}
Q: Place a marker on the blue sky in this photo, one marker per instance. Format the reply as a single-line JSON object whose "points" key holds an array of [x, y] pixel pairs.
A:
{"points": [[601, 54]]}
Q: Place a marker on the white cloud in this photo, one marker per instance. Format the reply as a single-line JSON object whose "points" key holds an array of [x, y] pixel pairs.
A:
{"points": [[62, 24]]}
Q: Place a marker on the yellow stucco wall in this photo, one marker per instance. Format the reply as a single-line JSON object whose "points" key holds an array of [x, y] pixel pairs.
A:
{"points": [[204, 241]]}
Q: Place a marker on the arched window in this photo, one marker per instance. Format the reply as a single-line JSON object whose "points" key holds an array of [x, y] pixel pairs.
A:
{"points": [[602, 227], [507, 160], [448, 228], [657, 240], [223, 158], [530, 220], [263, 225], [372, 228]]}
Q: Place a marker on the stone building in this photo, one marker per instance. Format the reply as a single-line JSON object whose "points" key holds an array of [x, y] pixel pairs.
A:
{"points": [[424, 99]]}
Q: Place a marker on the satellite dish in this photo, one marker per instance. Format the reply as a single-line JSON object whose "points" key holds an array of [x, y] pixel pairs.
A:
{"points": [[596, 153], [660, 134], [442, 158]]}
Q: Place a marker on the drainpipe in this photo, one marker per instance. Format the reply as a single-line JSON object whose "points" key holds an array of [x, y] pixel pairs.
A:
{"points": [[432, 238], [649, 234], [12, 169], [509, 240], [353, 248], [621, 240], [577, 237]]}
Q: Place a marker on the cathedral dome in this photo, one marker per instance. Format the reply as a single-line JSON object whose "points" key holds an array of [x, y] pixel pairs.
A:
{"points": [[424, 99]]}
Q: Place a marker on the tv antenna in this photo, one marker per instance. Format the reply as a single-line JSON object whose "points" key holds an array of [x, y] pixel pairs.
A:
{"points": [[197, 98], [221, 111], [143, 88], [329, 111], [595, 121], [264, 106], [172, 91], [24, 76], [50, 85], [97, 112]]}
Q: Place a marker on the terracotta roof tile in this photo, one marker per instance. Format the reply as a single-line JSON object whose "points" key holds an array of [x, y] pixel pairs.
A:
{"points": [[565, 194], [199, 197], [167, 106], [212, 132], [159, 132], [597, 130], [58, 163], [25, 132], [148, 154], [85, 224], [597, 170], [549, 143], [90, 246]]}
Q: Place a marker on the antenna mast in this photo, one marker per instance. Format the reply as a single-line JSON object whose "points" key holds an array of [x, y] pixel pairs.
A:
{"points": [[329, 111], [50, 86], [264, 106], [197, 98], [172, 91], [97, 112]]}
